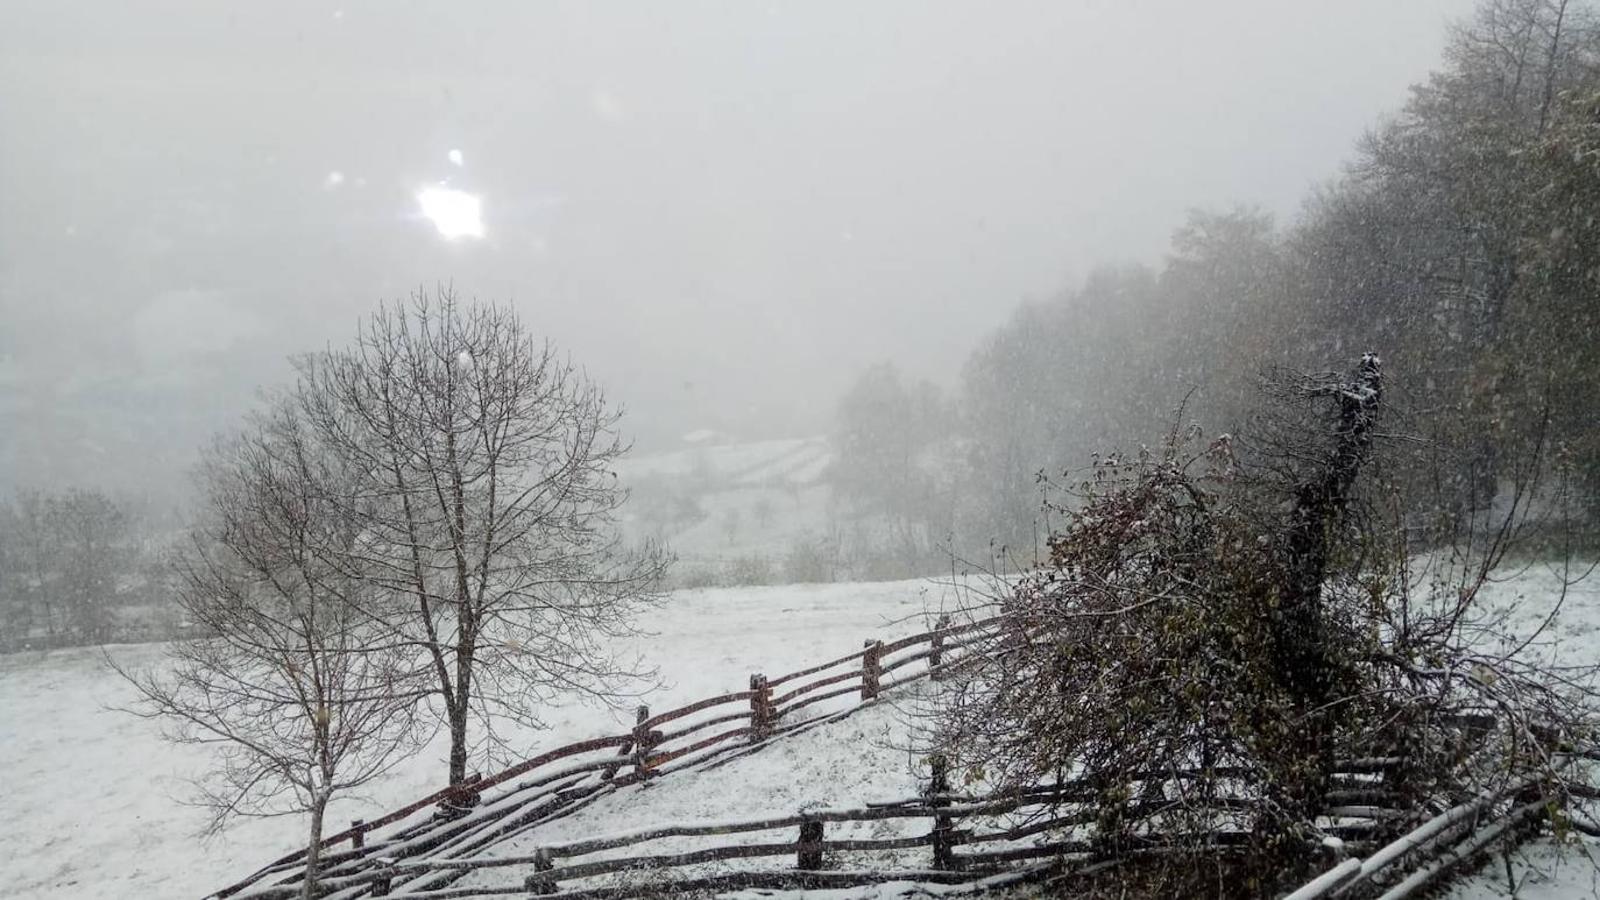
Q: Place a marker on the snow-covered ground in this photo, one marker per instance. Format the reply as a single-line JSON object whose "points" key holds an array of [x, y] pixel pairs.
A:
{"points": [[791, 460], [859, 759], [87, 805], [718, 503], [1540, 869], [863, 758], [88, 802]]}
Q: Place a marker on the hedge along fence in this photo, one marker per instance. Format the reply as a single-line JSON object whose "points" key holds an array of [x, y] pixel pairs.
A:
{"points": [[1062, 814], [457, 821]]}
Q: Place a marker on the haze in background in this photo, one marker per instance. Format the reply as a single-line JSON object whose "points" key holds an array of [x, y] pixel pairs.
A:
{"points": [[723, 210]]}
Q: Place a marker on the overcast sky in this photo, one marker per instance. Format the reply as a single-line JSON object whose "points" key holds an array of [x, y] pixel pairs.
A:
{"points": [[725, 210]]}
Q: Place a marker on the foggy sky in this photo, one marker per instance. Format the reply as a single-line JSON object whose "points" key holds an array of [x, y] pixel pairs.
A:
{"points": [[724, 210]]}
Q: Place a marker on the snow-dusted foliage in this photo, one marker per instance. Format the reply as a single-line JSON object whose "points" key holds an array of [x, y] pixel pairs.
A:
{"points": [[1221, 625]]}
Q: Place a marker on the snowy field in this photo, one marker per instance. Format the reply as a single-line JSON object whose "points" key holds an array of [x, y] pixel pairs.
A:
{"points": [[89, 805], [715, 503], [1540, 870], [864, 758]]}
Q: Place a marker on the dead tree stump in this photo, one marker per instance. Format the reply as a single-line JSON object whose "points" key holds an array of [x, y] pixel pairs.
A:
{"points": [[1320, 501]]}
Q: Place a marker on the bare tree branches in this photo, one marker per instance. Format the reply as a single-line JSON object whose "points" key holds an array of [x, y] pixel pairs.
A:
{"points": [[488, 508], [296, 686]]}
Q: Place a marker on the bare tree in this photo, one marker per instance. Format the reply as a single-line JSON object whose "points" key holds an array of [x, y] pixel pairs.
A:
{"points": [[489, 500], [297, 686]]}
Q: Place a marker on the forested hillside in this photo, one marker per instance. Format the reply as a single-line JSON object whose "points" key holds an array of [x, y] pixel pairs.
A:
{"points": [[1461, 242]]}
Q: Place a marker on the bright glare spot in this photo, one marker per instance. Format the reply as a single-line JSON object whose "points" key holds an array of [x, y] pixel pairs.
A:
{"points": [[456, 157], [333, 180], [457, 214]]}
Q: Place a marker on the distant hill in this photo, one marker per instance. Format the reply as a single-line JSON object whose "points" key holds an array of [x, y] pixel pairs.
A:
{"points": [[735, 512]]}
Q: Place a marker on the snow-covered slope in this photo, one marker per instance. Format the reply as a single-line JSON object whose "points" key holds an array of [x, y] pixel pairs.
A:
{"points": [[789, 460], [88, 808], [719, 504], [1540, 869], [856, 760]]}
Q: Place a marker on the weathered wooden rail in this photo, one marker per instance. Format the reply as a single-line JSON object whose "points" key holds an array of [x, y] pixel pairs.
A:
{"points": [[428, 847], [1418, 859], [969, 837], [454, 822]]}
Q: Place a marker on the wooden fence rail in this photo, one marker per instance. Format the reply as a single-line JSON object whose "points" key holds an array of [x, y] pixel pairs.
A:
{"points": [[1439, 843], [465, 819], [1063, 814], [416, 853]]}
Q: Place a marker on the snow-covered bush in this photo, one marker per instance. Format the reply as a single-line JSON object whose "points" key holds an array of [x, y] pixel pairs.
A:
{"points": [[1218, 623]]}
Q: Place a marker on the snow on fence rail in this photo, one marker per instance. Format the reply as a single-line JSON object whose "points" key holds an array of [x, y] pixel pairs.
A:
{"points": [[456, 821], [1419, 857], [408, 853], [1063, 814]]}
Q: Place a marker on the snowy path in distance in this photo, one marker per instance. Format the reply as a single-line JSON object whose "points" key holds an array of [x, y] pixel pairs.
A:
{"points": [[87, 809]]}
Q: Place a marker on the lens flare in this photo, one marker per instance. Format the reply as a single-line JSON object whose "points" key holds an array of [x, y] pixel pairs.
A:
{"points": [[456, 214]]}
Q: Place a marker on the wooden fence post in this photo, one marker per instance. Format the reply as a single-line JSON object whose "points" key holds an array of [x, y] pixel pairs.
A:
{"points": [[760, 708], [943, 824], [540, 882], [624, 751], [359, 839], [383, 882], [871, 669], [809, 856], [644, 740], [936, 652]]}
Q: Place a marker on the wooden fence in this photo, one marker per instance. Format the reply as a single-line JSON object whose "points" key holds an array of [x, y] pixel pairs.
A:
{"points": [[455, 822], [1418, 859], [426, 848], [967, 838]]}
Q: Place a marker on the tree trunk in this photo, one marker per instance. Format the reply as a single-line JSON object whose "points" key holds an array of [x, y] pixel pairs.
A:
{"points": [[458, 710], [1305, 662], [1319, 505], [319, 805], [458, 744]]}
